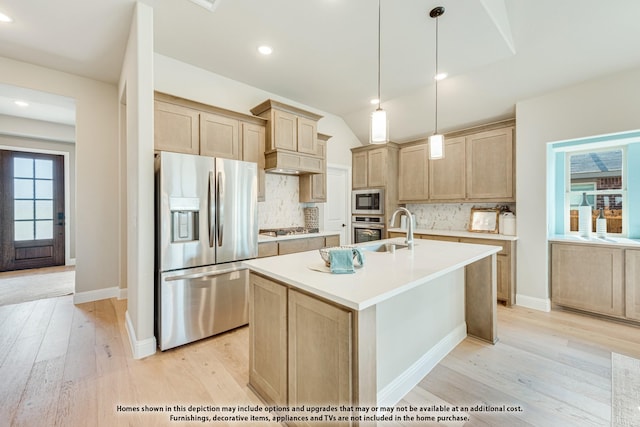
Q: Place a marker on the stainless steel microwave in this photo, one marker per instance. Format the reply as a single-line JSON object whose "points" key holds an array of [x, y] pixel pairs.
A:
{"points": [[369, 201]]}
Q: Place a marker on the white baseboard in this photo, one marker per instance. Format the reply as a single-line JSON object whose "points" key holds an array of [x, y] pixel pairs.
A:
{"points": [[139, 349], [123, 294], [540, 304], [394, 391], [97, 295], [70, 261]]}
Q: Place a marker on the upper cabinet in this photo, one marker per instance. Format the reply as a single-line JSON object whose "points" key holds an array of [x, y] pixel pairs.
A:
{"points": [[313, 187], [478, 166], [176, 128], [185, 126], [291, 142], [374, 165]]}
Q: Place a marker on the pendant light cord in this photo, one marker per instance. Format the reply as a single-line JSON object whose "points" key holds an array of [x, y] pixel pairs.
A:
{"points": [[436, 77], [379, 53]]}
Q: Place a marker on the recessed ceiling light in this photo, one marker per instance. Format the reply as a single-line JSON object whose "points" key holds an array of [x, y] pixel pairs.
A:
{"points": [[21, 103], [440, 76], [265, 50], [374, 101], [5, 18]]}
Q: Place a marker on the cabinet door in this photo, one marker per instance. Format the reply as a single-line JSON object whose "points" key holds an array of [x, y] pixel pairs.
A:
{"points": [[413, 174], [219, 137], [313, 187], [266, 249], [175, 128], [268, 339], [434, 237], [359, 168], [307, 139], [320, 359], [502, 279], [632, 267], [332, 241], [490, 165], [285, 130], [253, 140], [447, 175], [587, 277], [377, 167]]}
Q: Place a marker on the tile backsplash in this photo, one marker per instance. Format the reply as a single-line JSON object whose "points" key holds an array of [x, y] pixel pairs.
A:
{"points": [[282, 207], [449, 216]]}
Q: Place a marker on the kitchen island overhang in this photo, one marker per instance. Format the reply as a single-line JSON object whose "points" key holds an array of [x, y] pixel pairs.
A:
{"points": [[399, 316]]}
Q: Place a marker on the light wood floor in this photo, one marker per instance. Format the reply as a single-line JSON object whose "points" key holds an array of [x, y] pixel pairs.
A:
{"points": [[33, 284], [69, 365]]}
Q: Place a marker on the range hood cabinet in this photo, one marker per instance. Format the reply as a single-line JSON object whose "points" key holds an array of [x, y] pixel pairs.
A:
{"points": [[291, 163]]}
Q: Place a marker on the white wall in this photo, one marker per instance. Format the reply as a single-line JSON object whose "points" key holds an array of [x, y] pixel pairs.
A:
{"points": [[136, 91], [97, 166], [601, 106], [38, 129]]}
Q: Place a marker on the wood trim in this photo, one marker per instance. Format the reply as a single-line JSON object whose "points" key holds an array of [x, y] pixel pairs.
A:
{"points": [[465, 131], [171, 99], [270, 104]]}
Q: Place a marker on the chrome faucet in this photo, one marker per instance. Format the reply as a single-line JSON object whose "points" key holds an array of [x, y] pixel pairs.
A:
{"points": [[409, 239]]}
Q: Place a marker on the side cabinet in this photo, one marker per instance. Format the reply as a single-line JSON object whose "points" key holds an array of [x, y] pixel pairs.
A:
{"points": [[320, 356], [268, 339], [632, 284], [588, 277]]}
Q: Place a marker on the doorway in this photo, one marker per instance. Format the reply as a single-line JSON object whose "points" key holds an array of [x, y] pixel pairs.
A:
{"points": [[337, 210], [32, 227]]}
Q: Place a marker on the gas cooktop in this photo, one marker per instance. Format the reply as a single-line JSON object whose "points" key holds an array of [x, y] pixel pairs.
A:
{"points": [[275, 232]]}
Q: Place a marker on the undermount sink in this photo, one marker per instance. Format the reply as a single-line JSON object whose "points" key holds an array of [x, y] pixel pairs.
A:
{"points": [[383, 247]]}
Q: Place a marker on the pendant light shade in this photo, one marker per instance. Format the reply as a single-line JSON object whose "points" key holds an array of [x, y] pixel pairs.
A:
{"points": [[436, 141], [379, 127]]}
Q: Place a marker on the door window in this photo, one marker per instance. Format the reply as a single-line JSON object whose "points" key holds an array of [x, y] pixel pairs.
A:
{"points": [[33, 198]]}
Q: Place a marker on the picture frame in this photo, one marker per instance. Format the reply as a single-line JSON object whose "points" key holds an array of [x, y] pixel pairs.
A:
{"points": [[484, 220]]}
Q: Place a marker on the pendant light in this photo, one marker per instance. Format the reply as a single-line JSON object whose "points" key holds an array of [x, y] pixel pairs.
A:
{"points": [[379, 129], [436, 141]]}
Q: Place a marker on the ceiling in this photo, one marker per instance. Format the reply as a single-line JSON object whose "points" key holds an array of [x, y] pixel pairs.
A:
{"points": [[496, 52]]}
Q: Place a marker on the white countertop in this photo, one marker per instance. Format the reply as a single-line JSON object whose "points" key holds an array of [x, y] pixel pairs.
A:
{"points": [[383, 276], [608, 241], [457, 233], [263, 238]]}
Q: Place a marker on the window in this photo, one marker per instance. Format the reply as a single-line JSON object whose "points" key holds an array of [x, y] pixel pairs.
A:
{"points": [[598, 174], [33, 198]]}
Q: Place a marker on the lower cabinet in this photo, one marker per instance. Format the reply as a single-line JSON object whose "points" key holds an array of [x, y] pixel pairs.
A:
{"points": [[302, 244], [588, 277], [632, 283], [301, 347], [505, 261]]}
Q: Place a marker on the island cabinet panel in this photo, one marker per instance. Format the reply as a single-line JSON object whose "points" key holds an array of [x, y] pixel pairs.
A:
{"points": [[490, 165], [447, 175], [588, 277], [268, 339], [632, 285], [413, 173], [253, 142], [176, 128], [320, 353], [219, 137]]}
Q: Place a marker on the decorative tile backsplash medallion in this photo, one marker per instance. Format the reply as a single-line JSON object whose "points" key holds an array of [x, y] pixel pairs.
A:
{"points": [[282, 207], [449, 216]]}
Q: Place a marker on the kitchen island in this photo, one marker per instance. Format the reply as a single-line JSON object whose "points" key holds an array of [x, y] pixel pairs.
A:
{"points": [[365, 339]]}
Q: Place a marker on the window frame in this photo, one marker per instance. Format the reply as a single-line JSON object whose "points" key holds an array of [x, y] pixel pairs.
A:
{"points": [[568, 192]]}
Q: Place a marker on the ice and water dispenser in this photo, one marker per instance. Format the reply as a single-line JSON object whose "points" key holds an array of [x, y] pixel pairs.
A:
{"points": [[184, 219]]}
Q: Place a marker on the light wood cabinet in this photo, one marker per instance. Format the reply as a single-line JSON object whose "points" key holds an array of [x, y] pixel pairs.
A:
{"points": [[632, 284], [307, 136], [285, 131], [505, 260], [219, 137], [360, 170], [447, 175], [268, 339], [413, 173], [377, 167], [176, 128], [478, 166], [588, 277], [490, 162], [302, 244], [313, 187], [320, 355], [253, 137]]}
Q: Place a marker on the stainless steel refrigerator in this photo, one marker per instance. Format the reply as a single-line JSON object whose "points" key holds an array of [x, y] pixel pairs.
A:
{"points": [[206, 221]]}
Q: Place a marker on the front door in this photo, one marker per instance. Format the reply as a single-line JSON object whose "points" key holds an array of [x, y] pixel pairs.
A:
{"points": [[32, 207]]}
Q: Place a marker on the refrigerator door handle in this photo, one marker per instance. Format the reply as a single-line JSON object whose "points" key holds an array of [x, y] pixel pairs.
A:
{"points": [[220, 210], [212, 209], [199, 275]]}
